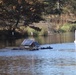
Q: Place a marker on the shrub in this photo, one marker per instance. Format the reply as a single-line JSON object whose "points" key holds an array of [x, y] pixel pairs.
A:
{"points": [[68, 28], [73, 28], [32, 31], [35, 33], [44, 33]]}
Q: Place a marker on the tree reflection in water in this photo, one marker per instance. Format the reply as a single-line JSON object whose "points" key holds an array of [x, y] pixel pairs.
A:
{"points": [[51, 39], [61, 60]]}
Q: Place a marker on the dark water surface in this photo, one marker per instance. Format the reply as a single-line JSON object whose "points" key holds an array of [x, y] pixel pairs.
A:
{"points": [[61, 60], [51, 39]]}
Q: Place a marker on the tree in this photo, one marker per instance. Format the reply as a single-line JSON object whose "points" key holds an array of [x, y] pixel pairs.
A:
{"points": [[60, 6], [14, 11]]}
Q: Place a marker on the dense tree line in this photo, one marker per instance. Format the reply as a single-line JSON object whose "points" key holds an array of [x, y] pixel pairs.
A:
{"points": [[60, 6], [13, 12]]}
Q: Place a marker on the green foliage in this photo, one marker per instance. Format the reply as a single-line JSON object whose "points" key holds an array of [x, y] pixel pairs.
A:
{"points": [[25, 12], [30, 30], [43, 32], [68, 28], [14, 11], [59, 6], [35, 33], [73, 28]]}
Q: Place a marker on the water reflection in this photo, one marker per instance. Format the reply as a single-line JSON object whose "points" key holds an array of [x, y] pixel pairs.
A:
{"points": [[53, 38], [61, 60]]}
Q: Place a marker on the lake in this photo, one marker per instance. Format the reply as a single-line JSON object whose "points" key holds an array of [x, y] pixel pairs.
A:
{"points": [[61, 60], [51, 39]]}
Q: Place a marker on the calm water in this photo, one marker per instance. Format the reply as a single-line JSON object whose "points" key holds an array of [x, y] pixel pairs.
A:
{"points": [[61, 60], [51, 39]]}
